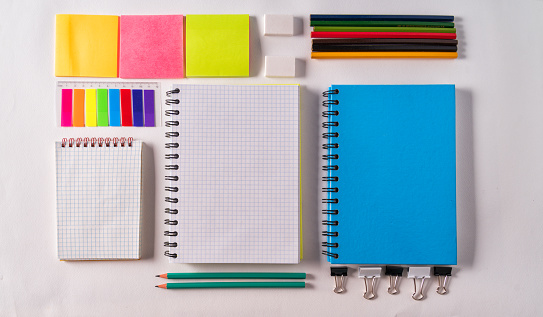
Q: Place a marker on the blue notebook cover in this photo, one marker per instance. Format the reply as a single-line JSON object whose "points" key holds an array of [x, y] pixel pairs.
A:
{"points": [[395, 176]]}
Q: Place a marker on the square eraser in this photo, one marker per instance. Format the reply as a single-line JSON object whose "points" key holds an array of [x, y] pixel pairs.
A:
{"points": [[278, 24], [280, 66]]}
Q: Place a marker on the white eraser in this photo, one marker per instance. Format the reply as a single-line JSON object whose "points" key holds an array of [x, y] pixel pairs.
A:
{"points": [[418, 271], [369, 271], [280, 66], [278, 24]]}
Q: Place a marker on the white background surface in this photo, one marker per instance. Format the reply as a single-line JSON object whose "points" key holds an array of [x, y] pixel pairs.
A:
{"points": [[499, 150]]}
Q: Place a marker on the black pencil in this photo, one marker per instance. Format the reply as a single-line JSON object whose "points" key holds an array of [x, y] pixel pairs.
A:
{"points": [[356, 41], [382, 48]]}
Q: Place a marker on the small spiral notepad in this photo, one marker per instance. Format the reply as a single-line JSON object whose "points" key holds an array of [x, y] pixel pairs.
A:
{"points": [[98, 199]]}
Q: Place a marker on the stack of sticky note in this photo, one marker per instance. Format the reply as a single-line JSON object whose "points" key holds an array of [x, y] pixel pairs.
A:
{"points": [[137, 47], [383, 36], [152, 46], [86, 45], [217, 45]]}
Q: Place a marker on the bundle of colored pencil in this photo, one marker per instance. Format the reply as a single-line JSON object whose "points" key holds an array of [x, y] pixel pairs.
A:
{"points": [[383, 36]]}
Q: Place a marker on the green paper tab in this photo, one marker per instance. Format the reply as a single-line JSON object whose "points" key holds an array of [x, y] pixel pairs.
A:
{"points": [[217, 45], [101, 108]]}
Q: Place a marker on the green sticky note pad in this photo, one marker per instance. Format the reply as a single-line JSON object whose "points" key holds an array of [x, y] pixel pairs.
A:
{"points": [[217, 45]]}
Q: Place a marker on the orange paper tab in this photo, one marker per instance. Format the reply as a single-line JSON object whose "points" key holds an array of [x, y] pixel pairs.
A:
{"points": [[79, 108]]}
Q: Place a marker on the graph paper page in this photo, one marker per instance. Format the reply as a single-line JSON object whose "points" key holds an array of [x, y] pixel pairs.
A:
{"points": [[98, 202], [238, 197]]}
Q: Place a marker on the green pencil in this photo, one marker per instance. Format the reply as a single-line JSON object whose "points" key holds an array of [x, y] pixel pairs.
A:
{"points": [[234, 285], [381, 29], [385, 23], [222, 275]]}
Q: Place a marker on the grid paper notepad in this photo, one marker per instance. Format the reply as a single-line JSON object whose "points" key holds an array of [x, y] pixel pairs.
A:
{"points": [[98, 201], [238, 175]]}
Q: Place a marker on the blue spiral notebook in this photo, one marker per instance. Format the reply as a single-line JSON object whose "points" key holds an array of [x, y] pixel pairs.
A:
{"points": [[391, 174]]}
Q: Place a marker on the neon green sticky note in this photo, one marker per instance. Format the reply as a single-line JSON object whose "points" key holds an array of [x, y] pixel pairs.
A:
{"points": [[217, 45], [102, 118], [86, 45], [90, 108]]}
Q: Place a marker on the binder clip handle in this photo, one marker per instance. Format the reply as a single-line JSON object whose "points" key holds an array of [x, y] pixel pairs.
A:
{"points": [[370, 289], [394, 282], [339, 281], [443, 274], [394, 275], [419, 273], [371, 276], [419, 294], [442, 285], [339, 273]]}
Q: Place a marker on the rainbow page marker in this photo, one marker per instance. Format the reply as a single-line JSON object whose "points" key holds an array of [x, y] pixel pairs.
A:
{"points": [[104, 104]]}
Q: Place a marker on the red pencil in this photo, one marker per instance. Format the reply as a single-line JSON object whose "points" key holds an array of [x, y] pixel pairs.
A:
{"points": [[384, 35]]}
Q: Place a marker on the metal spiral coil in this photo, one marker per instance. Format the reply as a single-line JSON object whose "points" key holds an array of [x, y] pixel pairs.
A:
{"points": [[330, 254], [172, 144], [326, 125], [172, 101], [331, 137], [96, 142], [171, 211], [172, 112], [173, 91], [172, 134], [171, 123], [329, 245], [325, 94], [330, 233]]}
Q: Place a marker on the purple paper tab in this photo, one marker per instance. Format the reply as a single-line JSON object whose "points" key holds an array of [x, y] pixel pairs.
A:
{"points": [[66, 108], [149, 106]]}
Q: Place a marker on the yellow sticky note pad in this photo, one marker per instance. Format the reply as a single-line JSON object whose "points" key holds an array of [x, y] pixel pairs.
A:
{"points": [[217, 45], [86, 45]]}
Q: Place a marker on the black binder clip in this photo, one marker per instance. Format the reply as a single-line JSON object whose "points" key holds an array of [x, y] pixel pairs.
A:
{"points": [[418, 273], [394, 275], [370, 276], [339, 273], [442, 273]]}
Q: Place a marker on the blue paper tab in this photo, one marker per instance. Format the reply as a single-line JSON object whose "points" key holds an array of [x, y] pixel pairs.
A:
{"points": [[114, 108]]}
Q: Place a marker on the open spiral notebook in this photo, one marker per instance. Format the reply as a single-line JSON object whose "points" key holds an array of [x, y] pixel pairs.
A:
{"points": [[234, 172]]}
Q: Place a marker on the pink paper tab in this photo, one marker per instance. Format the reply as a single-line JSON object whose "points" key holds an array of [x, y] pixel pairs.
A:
{"points": [[151, 46], [66, 108]]}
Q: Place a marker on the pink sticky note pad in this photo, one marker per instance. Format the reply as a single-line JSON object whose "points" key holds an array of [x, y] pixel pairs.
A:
{"points": [[151, 46]]}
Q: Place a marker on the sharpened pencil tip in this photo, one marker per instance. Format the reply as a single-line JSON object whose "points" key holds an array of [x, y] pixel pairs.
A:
{"points": [[157, 275], [156, 285]]}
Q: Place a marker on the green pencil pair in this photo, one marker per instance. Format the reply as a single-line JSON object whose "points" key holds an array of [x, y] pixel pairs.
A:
{"points": [[232, 275]]}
